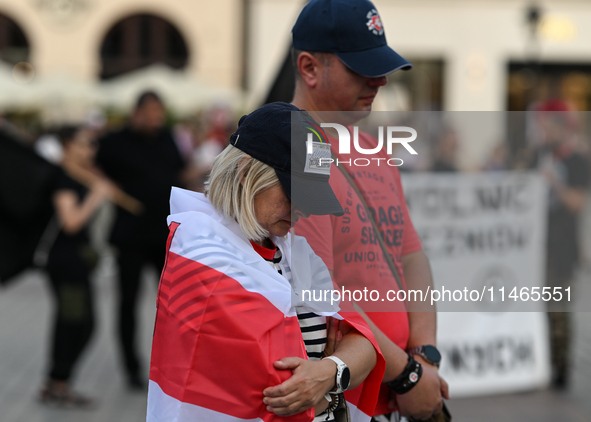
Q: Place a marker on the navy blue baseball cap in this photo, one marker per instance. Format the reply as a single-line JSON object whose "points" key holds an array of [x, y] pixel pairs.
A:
{"points": [[277, 134], [351, 29]]}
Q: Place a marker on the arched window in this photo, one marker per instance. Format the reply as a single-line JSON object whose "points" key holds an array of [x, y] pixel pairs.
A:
{"points": [[141, 40], [14, 46]]}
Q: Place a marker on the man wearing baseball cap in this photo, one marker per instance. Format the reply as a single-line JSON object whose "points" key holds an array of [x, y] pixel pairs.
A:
{"points": [[342, 59]]}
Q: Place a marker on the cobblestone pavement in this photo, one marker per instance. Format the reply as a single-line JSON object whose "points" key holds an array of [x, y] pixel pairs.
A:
{"points": [[25, 317]]}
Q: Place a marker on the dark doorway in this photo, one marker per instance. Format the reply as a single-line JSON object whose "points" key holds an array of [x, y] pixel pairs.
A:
{"points": [[139, 41], [14, 46]]}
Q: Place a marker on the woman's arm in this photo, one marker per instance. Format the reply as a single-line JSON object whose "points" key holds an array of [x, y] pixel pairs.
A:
{"points": [[311, 380], [72, 214]]}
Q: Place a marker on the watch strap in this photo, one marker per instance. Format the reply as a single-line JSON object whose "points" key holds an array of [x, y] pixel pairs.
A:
{"points": [[420, 350], [417, 350], [336, 360], [409, 377], [340, 367]]}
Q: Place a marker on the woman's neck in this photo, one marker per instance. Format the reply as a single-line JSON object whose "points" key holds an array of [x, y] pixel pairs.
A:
{"points": [[265, 243]]}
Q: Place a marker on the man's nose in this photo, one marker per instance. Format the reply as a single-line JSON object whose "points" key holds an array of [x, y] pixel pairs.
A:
{"points": [[379, 81]]}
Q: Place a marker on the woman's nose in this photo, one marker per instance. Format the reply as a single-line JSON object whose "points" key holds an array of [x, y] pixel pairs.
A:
{"points": [[299, 213]]}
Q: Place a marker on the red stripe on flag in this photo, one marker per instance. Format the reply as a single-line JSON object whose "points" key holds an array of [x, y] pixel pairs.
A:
{"points": [[218, 351], [365, 396]]}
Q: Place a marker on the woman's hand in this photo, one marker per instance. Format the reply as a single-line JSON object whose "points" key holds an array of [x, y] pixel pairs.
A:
{"points": [[103, 189], [73, 214], [306, 388]]}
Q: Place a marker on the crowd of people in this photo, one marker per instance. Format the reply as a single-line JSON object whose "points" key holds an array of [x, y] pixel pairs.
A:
{"points": [[133, 167], [262, 218]]}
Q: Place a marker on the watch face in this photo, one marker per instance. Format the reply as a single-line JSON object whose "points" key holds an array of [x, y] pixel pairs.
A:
{"points": [[345, 378], [432, 354]]}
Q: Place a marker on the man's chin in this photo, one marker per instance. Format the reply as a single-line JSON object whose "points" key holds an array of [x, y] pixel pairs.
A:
{"points": [[351, 117]]}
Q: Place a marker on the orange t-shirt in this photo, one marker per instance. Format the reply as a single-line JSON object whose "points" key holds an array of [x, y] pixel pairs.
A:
{"points": [[348, 245]]}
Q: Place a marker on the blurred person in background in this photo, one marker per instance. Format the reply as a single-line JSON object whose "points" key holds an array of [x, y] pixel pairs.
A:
{"points": [[445, 152], [144, 160], [218, 123], [49, 147], [498, 159], [70, 262], [566, 171]]}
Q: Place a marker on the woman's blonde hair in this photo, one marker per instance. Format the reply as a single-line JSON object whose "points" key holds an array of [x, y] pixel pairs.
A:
{"points": [[234, 181]]}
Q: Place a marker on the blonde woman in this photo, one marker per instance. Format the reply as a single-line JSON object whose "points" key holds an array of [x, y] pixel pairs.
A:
{"points": [[236, 335]]}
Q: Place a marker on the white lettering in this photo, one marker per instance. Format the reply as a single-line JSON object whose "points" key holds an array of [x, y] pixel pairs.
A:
{"points": [[403, 141], [395, 165], [378, 159], [369, 150], [344, 137], [343, 162]]}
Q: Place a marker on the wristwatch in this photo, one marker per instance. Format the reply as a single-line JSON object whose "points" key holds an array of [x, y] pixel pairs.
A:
{"points": [[427, 352], [343, 377]]}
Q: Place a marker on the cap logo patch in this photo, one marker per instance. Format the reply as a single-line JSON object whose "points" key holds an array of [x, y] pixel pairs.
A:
{"points": [[374, 23], [317, 157], [317, 152]]}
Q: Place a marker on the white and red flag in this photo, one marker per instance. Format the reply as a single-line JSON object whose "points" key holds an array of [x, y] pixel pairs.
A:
{"points": [[224, 316]]}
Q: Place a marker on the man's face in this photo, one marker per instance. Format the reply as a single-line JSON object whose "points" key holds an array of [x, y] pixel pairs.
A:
{"points": [[151, 116], [342, 89]]}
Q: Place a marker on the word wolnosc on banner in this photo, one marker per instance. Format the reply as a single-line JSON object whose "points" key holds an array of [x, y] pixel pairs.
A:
{"points": [[484, 236]]}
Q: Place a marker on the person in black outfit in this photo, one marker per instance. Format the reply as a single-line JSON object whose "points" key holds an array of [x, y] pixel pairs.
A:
{"points": [[145, 162], [69, 264]]}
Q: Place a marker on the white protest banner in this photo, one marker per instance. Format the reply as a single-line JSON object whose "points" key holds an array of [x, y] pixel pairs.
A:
{"points": [[485, 235]]}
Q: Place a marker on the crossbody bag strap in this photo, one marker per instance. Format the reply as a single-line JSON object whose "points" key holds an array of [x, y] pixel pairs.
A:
{"points": [[370, 217]]}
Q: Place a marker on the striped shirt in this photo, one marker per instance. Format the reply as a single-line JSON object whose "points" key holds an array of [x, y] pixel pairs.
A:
{"points": [[313, 326]]}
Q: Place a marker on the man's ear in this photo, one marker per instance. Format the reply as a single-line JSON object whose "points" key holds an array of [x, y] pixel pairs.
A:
{"points": [[308, 67]]}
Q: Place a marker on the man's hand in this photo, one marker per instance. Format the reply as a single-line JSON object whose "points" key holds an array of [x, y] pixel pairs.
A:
{"points": [[424, 400], [310, 381]]}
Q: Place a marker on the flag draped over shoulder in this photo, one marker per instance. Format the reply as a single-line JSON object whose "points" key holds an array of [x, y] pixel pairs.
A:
{"points": [[223, 317]]}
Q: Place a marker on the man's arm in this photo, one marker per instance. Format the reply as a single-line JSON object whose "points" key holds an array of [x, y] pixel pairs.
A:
{"points": [[422, 315], [424, 399]]}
